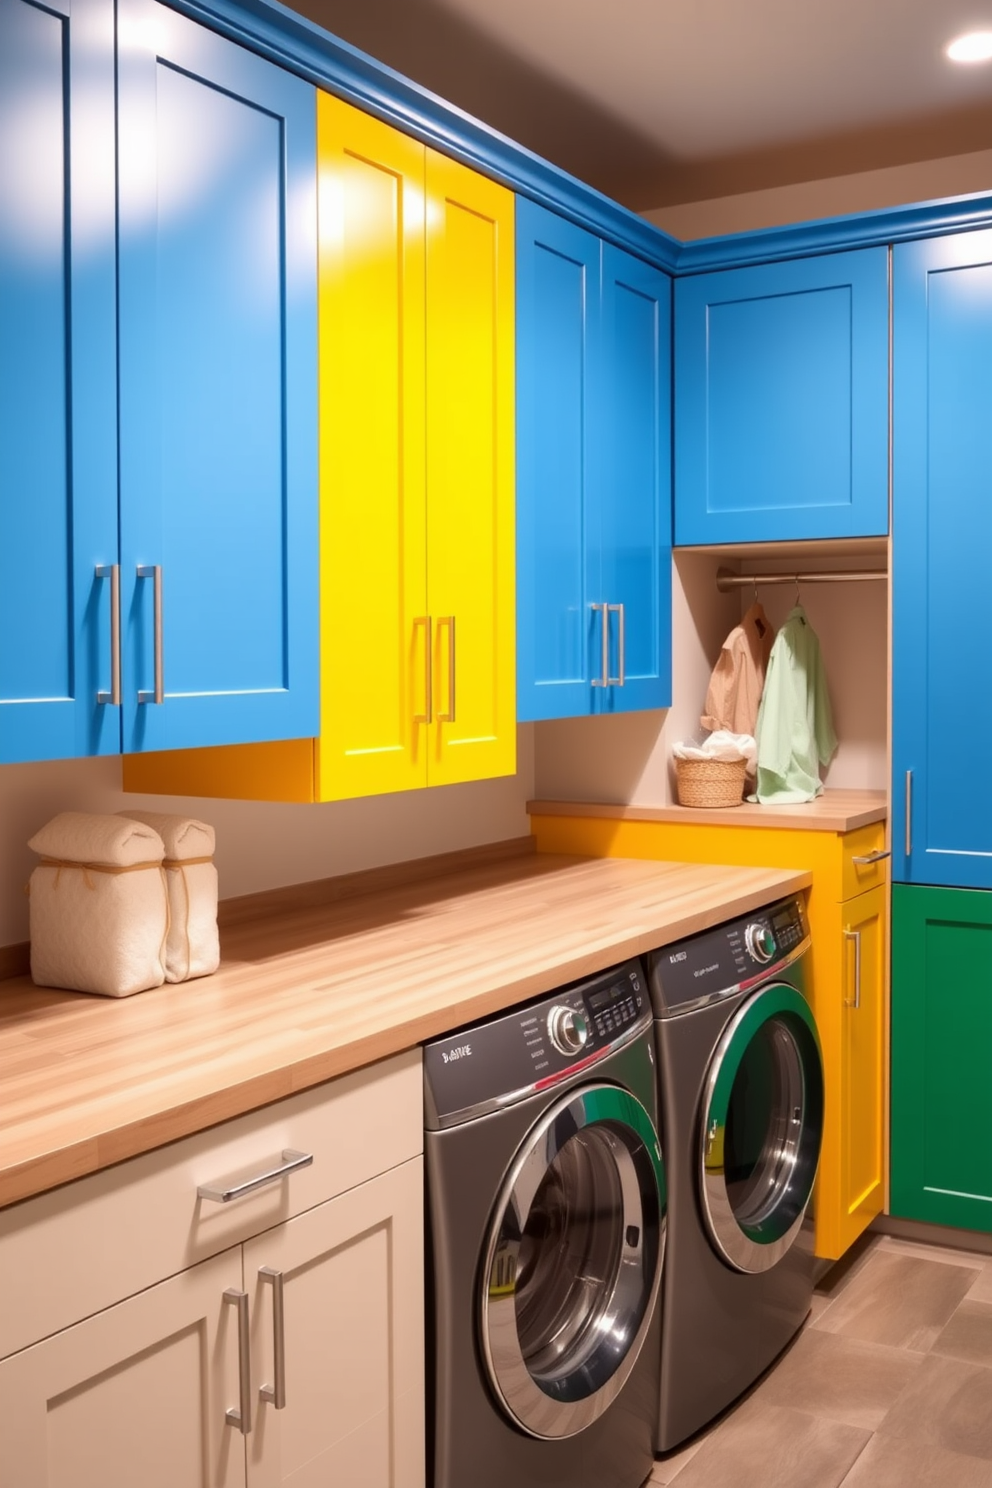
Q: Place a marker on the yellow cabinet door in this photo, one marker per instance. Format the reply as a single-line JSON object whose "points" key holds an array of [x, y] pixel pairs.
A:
{"points": [[470, 477], [373, 565], [851, 1018], [417, 489]]}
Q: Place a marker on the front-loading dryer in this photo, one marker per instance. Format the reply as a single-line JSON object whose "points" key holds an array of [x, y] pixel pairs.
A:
{"points": [[741, 1119], [547, 1213]]}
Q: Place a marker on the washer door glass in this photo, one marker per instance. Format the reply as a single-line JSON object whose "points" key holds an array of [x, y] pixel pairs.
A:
{"points": [[573, 1261], [762, 1127]]}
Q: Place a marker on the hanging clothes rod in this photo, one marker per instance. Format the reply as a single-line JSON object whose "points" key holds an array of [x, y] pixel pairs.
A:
{"points": [[726, 579]]}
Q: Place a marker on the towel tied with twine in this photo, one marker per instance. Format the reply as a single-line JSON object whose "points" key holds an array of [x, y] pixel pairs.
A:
{"points": [[192, 946]]}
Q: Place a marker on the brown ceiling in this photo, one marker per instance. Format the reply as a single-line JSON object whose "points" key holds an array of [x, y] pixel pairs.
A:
{"points": [[447, 51]]}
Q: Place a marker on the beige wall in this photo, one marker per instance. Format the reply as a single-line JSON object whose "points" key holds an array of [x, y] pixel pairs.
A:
{"points": [[869, 191], [264, 846]]}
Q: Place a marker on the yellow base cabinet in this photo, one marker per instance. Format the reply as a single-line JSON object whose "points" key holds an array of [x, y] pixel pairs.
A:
{"points": [[416, 328], [847, 914]]}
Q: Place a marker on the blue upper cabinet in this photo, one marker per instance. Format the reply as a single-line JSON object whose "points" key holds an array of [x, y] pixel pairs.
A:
{"points": [[593, 474], [58, 386], [781, 406], [218, 389], [942, 561]]}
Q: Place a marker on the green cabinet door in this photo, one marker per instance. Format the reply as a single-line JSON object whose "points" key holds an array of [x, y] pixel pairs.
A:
{"points": [[941, 1159]]}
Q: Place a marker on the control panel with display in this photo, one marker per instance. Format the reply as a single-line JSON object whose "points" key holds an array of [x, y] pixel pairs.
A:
{"points": [[536, 1044], [734, 956]]}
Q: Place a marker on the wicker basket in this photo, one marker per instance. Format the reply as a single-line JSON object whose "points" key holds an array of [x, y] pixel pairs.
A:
{"points": [[710, 782]]}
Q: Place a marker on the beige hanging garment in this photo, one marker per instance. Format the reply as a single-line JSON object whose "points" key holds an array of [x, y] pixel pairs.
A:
{"points": [[734, 694]]}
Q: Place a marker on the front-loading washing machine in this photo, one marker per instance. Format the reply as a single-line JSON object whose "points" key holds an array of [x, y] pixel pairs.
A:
{"points": [[547, 1219], [741, 1119]]}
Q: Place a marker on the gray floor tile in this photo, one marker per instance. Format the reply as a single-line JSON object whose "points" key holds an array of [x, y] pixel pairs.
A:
{"points": [[666, 1468], [981, 1287], [889, 1463], [949, 1405], [768, 1446], [839, 1378], [898, 1300], [968, 1334]]}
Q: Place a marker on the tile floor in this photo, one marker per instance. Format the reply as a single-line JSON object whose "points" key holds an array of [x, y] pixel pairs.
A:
{"points": [[889, 1385]]}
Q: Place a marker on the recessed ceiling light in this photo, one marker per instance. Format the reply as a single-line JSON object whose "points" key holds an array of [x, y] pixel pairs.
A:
{"points": [[976, 46]]}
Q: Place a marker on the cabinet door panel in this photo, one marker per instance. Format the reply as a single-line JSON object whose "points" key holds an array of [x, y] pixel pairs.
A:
{"points": [[559, 347], [634, 488], [353, 1298], [470, 473], [941, 1165], [373, 549], [862, 992], [136, 1394], [58, 416], [218, 395], [942, 547], [781, 406]]}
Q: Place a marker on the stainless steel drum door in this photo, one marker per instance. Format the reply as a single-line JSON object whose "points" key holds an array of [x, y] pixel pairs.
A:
{"points": [[761, 1129], [573, 1261]]}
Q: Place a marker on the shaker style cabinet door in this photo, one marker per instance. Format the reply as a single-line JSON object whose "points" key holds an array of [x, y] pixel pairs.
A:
{"points": [[941, 1159], [941, 562], [136, 1394], [218, 357], [593, 474], [58, 379], [781, 401]]}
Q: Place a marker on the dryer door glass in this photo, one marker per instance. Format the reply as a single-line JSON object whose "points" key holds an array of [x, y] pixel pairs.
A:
{"points": [[762, 1127], [573, 1261]]}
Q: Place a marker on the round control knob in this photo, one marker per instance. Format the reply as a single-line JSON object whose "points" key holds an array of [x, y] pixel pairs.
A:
{"points": [[760, 942], [568, 1030]]}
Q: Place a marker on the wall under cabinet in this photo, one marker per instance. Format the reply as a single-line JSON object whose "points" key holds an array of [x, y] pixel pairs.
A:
{"points": [[261, 845]]}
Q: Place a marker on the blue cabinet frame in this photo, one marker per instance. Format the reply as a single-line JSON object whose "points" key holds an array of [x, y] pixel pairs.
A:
{"points": [[593, 474], [942, 562], [781, 401]]}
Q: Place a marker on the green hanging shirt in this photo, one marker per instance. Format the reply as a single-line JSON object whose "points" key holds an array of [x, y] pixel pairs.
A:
{"points": [[795, 732]]}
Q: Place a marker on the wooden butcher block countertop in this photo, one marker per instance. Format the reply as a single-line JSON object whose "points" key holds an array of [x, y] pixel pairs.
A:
{"points": [[319, 980]]}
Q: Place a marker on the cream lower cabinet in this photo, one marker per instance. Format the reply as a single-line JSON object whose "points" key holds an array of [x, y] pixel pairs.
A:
{"points": [[294, 1355]]}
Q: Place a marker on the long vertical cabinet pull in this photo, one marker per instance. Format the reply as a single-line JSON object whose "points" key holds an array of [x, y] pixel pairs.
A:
{"points": [[428, 713], [112, 571], [909, 812], [275, 1393], [603, 680], [621, 677], [154, 572], [448, 621], [240, 1415], [855, 935]]}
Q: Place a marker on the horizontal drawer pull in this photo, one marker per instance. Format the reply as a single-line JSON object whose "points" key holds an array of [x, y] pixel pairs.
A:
{"points": [[246, 1181], [872, 857]]}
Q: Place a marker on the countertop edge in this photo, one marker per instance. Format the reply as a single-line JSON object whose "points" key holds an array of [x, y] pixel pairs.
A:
{"points": [[825, 817]]}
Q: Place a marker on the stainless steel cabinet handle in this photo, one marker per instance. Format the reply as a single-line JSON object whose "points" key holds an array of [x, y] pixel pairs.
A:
{"points": [[154, 571], [909, 812], [619, 680], [240, 1415], [236, 1185], [449, 621], [872, 857], [603, 680], [428, 713], [276, 1392], [855, 935], [112, 571]]}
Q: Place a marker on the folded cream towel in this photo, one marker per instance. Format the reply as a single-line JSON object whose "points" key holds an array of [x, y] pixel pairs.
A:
{"points": [[193, 946], [99, 905]]}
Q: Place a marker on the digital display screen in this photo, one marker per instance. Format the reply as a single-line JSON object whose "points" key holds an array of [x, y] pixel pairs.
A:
{"points": [[782, 920], [600, 999]]}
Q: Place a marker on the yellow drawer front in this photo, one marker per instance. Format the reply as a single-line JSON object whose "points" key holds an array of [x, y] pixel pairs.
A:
{"points": [[863, 842]]}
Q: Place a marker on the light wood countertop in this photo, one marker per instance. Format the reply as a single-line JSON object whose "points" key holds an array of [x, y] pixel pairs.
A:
{"points": [[833, 811], [322, 984]]}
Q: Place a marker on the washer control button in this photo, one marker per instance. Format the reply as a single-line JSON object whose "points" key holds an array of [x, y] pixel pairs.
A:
{"points": [[760, 942], [568, 1030]]}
